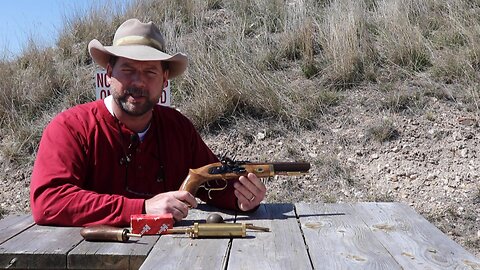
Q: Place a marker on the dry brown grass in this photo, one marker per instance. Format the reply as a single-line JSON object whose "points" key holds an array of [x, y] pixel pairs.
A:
{"points": [[346, 43]]}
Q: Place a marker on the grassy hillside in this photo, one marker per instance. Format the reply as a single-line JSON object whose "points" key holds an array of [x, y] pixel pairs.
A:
{"points": [[246, 55]]}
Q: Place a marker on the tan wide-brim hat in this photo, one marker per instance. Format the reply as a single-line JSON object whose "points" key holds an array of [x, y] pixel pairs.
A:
{"points": [[138, 41]]}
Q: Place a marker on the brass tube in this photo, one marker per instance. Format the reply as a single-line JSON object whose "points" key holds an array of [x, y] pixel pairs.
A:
{"points": [[218, 230]]}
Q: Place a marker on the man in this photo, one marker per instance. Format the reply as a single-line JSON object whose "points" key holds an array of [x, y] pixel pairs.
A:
{"points": [[101, 162]]}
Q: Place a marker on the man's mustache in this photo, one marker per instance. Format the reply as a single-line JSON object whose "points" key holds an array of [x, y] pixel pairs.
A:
{"points": [[135, 91]]}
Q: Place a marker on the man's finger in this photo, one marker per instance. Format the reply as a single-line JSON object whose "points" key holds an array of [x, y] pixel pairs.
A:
{"points": [[250, 185], [187, 198], [256, 181], [177, 214], [243, 190], [241, 197]]}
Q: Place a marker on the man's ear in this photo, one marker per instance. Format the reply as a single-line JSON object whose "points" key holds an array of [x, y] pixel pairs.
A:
{"points": [[165, 78], [109, 72]]}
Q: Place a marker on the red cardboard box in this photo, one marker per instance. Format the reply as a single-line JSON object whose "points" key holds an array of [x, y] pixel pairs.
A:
{"points": [[146, 224]]}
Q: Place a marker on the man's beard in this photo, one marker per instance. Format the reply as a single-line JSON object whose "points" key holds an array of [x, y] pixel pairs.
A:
{"points": [[130, 109]]}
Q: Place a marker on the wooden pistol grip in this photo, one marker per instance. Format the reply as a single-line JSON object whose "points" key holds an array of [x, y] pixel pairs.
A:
{"points": [[198, 177], [192, 182]]}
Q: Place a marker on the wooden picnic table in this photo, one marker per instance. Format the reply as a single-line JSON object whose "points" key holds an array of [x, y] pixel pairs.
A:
{"points": [[302, 236]]}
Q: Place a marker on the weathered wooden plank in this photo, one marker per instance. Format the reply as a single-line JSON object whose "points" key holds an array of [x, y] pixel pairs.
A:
{"points": [[181, 252], [412, 240], [111, 255], [281, 248], [337, 238], [13, 225], [39, 247]]}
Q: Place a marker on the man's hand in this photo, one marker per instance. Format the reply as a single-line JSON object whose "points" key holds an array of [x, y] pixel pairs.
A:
{"points": [[174, 202], [250, 191]]}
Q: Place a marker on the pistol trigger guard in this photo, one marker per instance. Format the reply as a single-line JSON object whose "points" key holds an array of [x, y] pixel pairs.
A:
{"points": [[210, 189]]}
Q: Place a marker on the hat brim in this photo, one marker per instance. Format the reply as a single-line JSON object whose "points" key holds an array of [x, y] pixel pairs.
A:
{"points": [[101, 55]]}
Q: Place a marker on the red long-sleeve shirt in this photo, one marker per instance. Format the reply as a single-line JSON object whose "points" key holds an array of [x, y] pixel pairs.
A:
{"points": [[81, 176]]}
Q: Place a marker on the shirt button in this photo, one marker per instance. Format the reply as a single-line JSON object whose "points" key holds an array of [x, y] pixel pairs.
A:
{"points": [[139, 167], [139, 150]]}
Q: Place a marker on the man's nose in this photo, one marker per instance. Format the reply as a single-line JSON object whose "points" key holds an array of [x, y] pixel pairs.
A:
{"points": [[138, 79]]}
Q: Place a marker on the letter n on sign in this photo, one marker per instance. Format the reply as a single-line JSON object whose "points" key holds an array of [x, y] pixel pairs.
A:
{"points": [[102, 88]]}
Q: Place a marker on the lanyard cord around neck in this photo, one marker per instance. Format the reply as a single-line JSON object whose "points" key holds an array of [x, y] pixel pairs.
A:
{"points": [[127, 158]]}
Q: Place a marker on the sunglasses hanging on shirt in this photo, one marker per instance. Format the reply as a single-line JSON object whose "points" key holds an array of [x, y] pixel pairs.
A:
{"points": [[133, 143]]}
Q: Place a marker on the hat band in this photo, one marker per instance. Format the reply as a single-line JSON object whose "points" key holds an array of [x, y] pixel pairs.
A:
{"points": [[138, 40]]}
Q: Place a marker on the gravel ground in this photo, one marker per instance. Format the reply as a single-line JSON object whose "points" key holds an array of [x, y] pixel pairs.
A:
{"points": [[431, 162]]}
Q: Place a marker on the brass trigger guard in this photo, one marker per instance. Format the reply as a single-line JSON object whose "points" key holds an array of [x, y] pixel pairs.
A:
{"points": [[210, 189]]}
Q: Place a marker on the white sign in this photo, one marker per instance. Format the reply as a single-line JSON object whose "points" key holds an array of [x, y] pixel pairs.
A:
{"points": [[102, 88]]}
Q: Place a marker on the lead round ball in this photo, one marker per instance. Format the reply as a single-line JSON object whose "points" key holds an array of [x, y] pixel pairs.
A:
{"points": [[214, 218]]}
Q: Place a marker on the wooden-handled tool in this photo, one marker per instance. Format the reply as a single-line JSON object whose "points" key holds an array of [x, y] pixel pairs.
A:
{"points": [[107, 233]]}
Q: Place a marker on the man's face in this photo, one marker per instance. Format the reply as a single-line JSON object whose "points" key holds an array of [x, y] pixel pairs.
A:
{"points": [[136, 85]]}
